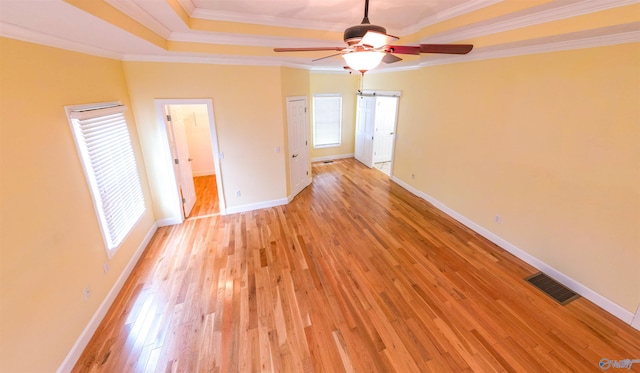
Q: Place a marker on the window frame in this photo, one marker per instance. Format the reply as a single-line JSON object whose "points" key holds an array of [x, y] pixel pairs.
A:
{"points": [[339, 125], [112, 238]]}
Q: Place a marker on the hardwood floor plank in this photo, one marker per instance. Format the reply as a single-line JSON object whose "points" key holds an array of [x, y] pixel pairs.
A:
{"points": [[354, 275]]}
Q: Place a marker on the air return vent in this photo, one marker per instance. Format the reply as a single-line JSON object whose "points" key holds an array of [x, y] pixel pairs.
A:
{"points": [[552, 288]]}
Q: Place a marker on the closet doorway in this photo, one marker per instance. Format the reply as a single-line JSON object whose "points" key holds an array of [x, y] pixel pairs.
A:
{"points": [[376, 119], [192, 141]]}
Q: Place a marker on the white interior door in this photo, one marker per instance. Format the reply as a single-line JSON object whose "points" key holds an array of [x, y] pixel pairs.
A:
{"points": [[385, 128], [365, 126], [297, 120], [182, 161]]}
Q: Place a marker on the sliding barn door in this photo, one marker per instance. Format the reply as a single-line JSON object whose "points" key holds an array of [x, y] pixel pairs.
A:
{"points": [[365, 126]]}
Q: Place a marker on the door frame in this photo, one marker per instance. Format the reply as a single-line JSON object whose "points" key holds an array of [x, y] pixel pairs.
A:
{"points": [[166, 150], [397, 95], [308, 181]]}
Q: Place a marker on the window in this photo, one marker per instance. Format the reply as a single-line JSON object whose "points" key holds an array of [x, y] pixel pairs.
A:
{"points": [[327, 120], [104, 147]]}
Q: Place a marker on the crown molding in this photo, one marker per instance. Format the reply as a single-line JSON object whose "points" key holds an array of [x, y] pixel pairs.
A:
{"points": [[528, 17], [215, 60], [135, 12], [188, 6], [215, 15], [450, 13], [453, 12], [558, 46], [500, 51], [20, 33], [239, 39]]}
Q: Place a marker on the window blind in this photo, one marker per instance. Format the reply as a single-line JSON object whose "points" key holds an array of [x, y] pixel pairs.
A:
{"points": [[327, 121], [105, 148]]}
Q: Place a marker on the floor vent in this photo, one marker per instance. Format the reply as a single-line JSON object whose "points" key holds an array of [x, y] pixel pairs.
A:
{"points": [[325, 162], [552, 288]]}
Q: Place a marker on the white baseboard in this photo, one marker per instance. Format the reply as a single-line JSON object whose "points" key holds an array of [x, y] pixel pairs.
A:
{"points": [[567, 281], [636, 319], [168, 221], [82, 341], [332, 157], [203, 173], [257, 206]]}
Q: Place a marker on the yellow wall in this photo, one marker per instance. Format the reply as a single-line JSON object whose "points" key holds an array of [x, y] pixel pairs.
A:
{"points": [[247, 105], [550, 142], [50, 241], [347, 85], [295, 82]]}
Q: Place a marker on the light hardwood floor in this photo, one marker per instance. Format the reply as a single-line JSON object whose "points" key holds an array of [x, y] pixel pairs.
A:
{"points": [[356, 275], [206, 196]]}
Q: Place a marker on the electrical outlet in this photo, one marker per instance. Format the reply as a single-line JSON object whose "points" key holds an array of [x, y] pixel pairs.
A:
{"points": [[413, 176], [86, 293], [106, 267], [238, 193], [497, 219]]}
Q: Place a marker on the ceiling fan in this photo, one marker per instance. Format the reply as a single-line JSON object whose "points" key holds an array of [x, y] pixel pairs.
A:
{"points": [[368, 45]]}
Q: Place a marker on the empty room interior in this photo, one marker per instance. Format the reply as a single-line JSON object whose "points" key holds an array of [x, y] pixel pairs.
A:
{"points": [[319, 186]]}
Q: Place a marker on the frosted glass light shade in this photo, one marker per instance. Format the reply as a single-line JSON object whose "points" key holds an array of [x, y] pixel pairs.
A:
{"points": [[364, 60]]}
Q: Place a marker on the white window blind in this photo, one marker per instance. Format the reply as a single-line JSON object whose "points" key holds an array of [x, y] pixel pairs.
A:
{"points": [[327, 120], [105, 149]]}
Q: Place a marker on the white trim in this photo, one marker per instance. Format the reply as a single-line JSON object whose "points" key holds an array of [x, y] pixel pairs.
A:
{"points": [[456, 11], [226, 38], [84, 338], [530, 17], [188, 6], [589, 42], [168, 221], [567, 281], [635, 323], [219, 59], [217, 15], [499, 51], [20, 33], [134, 11], [332, 157], [257, 206], [444, 15]]}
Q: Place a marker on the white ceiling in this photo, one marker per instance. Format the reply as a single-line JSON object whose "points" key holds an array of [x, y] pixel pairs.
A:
{"points": [[60, 24]]}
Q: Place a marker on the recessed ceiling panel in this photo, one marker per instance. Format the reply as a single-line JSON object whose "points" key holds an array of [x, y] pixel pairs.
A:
{"points": [[397, 14]]}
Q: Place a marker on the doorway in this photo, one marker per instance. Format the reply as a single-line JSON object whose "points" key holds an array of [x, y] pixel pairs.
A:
{"points": [[192, 144], [376, 119]]}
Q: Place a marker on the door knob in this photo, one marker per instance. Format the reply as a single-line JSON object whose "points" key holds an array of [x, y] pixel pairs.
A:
{"points": [[293, 156]]}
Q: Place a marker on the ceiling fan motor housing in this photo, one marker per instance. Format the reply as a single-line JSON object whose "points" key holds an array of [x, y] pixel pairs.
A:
{"points": [[354, 34]]}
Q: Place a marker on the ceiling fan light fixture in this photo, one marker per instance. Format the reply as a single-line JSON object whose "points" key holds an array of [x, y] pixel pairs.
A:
{"points": [[363, 60]]}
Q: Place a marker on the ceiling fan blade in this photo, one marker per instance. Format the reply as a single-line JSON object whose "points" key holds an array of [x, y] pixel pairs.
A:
{"points": [[403, 49], [446, 48], [312, 49], [325, 57], [390, 58], [377, 39]]}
